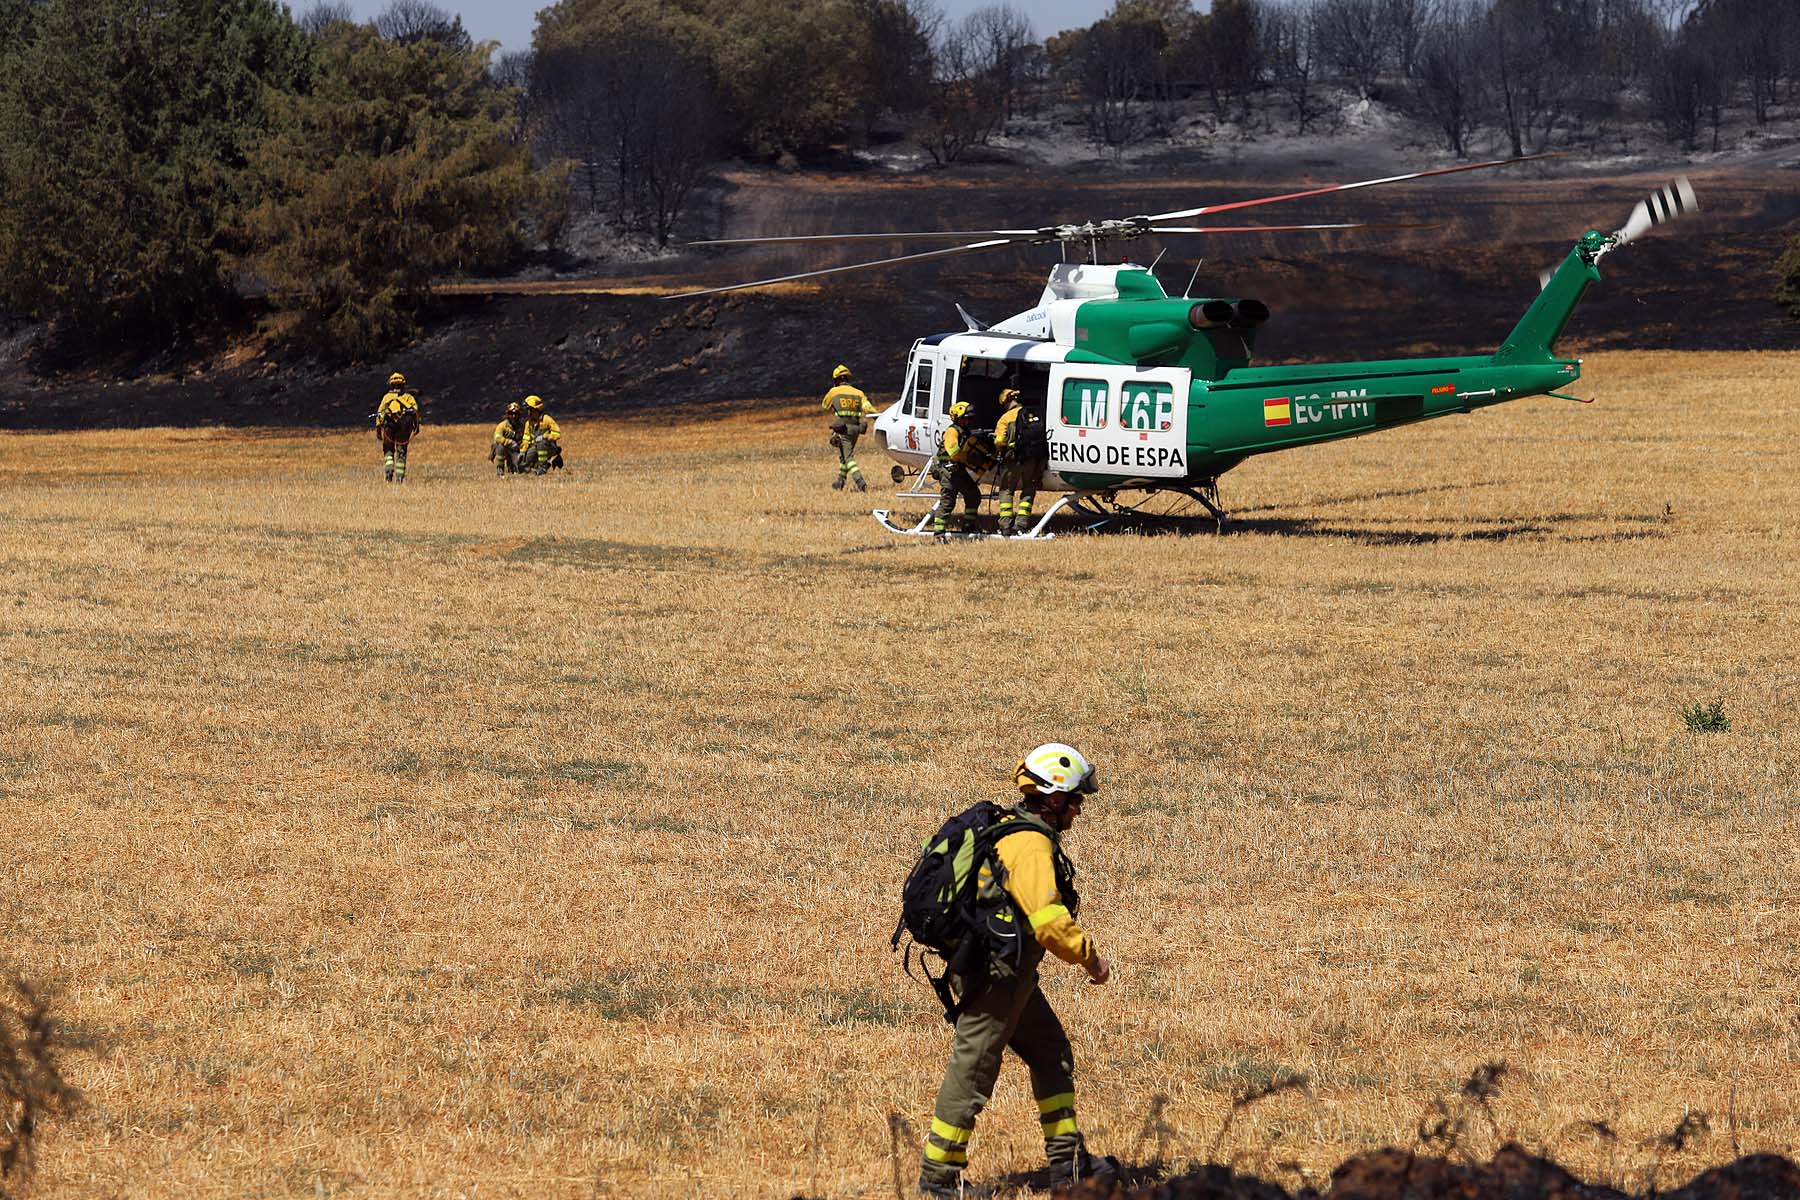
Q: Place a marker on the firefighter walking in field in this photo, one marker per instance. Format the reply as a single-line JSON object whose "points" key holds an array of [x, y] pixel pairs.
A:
{"points": [[1022, 450], [509, 442], [542, 446], [396, 420], [850, 411], [962, 456], [1032, 887]]}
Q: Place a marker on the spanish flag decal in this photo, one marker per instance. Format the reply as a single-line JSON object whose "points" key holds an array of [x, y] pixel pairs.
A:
{"points": [[1278, 412]]}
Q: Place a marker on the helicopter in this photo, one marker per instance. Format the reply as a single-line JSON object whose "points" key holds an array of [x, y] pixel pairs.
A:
{"points": [[1148, 398]]}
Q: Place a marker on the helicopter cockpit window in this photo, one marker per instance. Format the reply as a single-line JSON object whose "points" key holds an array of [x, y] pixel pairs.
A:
{"points": [[1084, 403], [924, 374]]}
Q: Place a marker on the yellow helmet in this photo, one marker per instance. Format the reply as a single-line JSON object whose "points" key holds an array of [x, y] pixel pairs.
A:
{"points": [[960, 410], [512, 410], [840, 372], [396, 380], [1009, 395], [1052, 768], [534, 403]]}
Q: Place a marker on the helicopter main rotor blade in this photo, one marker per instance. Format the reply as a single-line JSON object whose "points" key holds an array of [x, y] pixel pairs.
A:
{"points": [[1285, 228], [1245, 228], [1346, 187], [972, 248], [946, 235]]}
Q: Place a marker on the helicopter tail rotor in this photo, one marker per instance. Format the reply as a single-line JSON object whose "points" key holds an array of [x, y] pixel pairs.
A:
{"points": [[1674, 199]]}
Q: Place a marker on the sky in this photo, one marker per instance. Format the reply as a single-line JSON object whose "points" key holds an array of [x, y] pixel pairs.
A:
{"points": [[510, 22]]}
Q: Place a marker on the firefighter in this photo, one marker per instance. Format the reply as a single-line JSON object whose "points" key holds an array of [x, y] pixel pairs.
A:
{"points": [[396, 420], [509, 440], [1010, 1011], [542, 447], [962, 456], [1022, 450], [850, 410]]}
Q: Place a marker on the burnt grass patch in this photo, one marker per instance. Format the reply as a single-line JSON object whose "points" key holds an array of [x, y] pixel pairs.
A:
{"points": [[1513, 1173]]}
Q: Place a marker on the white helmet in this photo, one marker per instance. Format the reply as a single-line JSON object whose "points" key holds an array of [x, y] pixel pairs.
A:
{"points": [[1052, 768]]}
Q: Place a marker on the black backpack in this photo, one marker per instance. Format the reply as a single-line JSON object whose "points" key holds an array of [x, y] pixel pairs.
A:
{"points": [[1030, 442], [941, 908]]}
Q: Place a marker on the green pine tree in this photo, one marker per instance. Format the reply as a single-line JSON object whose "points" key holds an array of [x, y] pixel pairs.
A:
{"points": [[397, 167], [124, 126]]}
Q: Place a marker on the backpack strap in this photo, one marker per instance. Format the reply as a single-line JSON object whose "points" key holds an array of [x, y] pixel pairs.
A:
{"points": [[968, 961]]}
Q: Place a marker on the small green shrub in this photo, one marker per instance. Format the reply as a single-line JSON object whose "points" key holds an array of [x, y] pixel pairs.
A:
{"points": [[1706, 718]]}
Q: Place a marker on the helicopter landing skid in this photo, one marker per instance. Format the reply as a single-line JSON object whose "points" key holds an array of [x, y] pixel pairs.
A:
{"points": [[1162, 508], [1038, 532], [919, 530]]}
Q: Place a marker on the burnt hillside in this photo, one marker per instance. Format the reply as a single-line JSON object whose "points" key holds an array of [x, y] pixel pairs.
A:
{"points": [[1455, 287]]}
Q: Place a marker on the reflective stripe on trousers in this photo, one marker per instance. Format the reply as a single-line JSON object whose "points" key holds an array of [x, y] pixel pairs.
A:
{"points": [[1010, 1014]]}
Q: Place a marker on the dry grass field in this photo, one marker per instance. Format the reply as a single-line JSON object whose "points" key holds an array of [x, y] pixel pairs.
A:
{"points": [[543, 837]]}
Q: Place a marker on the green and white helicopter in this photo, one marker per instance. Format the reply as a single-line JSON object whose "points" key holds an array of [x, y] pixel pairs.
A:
{"points": [[1149, 398]]}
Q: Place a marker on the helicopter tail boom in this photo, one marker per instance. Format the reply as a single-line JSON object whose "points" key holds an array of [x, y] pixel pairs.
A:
{"points": [[1533, 339]]}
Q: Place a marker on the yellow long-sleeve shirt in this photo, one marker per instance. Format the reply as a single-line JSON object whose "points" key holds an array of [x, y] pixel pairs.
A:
{"points": [[397, 416], [1005, 429], [969, 448], [393, 404], [1030, 863], [846, 401], [508, 432], [543, 429]]}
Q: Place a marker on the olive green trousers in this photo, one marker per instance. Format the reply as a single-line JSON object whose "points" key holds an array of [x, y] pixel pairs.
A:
{"points": [[846, 448], [1011, 1013], [954, 483]]}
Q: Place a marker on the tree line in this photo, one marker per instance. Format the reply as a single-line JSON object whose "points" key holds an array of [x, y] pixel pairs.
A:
{"points": [[160, 159]]}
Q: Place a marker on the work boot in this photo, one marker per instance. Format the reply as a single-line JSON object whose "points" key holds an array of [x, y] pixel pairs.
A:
{"points": [[862, 485], [951, 1186], [1101, 1167], [837, 485]]}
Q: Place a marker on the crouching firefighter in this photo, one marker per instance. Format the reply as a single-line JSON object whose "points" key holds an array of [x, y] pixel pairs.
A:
{"points": [[507, 449], [992, 892]]}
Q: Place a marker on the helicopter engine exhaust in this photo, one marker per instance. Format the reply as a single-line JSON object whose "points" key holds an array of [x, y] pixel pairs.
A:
{"points": [[1211, 314], [1250, 314], [1224, 314]]}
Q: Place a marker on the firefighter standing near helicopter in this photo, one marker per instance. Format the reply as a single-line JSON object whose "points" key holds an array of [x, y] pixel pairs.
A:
{"points": [[509, 441], [396, 420], [1009, 1011], [1022, 451], [850, 411], [962, 456]]}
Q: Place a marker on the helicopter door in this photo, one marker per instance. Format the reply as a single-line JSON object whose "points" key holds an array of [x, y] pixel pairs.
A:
{"points": [[914, 432], [1122, 421]]}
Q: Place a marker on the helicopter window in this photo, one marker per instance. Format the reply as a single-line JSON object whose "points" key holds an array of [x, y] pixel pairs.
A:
{"points": [[1084, 403], [1147, 406], [924, 372]]}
